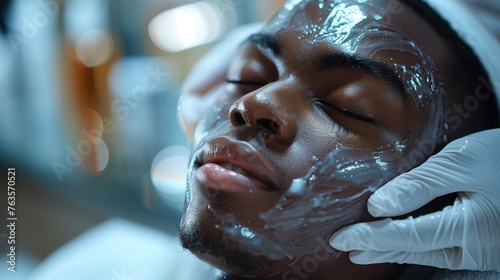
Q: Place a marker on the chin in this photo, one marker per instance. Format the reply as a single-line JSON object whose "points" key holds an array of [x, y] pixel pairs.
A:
{"points": [[199, 235]]}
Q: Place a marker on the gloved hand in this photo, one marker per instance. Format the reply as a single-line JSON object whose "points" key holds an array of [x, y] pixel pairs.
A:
{"points": [[205, 82], [463, 236]]}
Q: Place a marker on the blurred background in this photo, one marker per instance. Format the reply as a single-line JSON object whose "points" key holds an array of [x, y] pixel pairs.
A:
{"points": [[88, 112]]}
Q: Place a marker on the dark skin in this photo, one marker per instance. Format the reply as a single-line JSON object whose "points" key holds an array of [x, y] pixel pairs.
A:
{"points": [[285, 101]]}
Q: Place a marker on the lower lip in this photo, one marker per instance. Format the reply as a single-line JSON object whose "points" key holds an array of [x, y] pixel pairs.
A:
{"points": [[220, 178]]}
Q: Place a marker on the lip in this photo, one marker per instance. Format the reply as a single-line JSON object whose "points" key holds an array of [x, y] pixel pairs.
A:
{"points": [[257, 171]]}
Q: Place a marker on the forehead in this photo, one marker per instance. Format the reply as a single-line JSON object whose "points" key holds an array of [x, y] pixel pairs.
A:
{"points": [[364, 27], [386, 31]]}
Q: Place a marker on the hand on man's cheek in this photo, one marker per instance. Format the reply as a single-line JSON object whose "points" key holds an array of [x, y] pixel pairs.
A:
{"points": [[308, 128]]}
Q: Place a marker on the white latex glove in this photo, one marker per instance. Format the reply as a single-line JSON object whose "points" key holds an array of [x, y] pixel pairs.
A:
{"points": [[463, 236], [205, 82]]}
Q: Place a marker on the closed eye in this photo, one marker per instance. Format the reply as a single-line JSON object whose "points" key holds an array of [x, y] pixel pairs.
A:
{"points": [[245, 83], [350, 114]]}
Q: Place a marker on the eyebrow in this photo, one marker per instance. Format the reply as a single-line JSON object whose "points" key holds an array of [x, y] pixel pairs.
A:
{"points": [[265, 42], [333, 61]]}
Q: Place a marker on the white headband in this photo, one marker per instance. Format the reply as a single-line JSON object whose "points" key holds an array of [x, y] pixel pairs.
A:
{"points": [[466, 24]]}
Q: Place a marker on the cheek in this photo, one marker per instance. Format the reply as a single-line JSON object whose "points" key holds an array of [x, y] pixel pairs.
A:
{"points": [[318, 211], [332, 194], [215, 119]]}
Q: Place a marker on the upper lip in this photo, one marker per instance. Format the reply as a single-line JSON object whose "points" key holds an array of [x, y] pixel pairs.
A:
{"points": [[243, 155]]}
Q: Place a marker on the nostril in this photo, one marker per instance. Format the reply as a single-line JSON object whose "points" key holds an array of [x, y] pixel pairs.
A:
{"points": [[268, 124], [238, 117]]}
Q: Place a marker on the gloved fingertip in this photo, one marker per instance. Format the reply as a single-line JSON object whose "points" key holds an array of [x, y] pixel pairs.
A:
{"points": [[337, 241], [395, 198], [375, 205], [359, 257], [379, 204]]}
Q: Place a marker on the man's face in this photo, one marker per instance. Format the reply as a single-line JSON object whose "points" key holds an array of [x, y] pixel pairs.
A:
{"points": [[321, 108]]}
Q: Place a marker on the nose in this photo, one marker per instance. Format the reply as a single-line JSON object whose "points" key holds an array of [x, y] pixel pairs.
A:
{"points": [[266, 109]]}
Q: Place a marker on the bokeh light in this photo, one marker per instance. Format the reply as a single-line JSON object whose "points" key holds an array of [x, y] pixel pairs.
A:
{"points": [[168, 172], [92, 121], [186, 27], [91, 147], [94, 47]]}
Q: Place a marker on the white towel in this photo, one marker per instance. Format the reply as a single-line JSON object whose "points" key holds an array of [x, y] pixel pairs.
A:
{"points": [[481, 39], [488, 11], [120, 249]]}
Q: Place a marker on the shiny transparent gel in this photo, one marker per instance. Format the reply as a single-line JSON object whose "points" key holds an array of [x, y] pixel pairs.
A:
{"points": [[334, 191]]}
